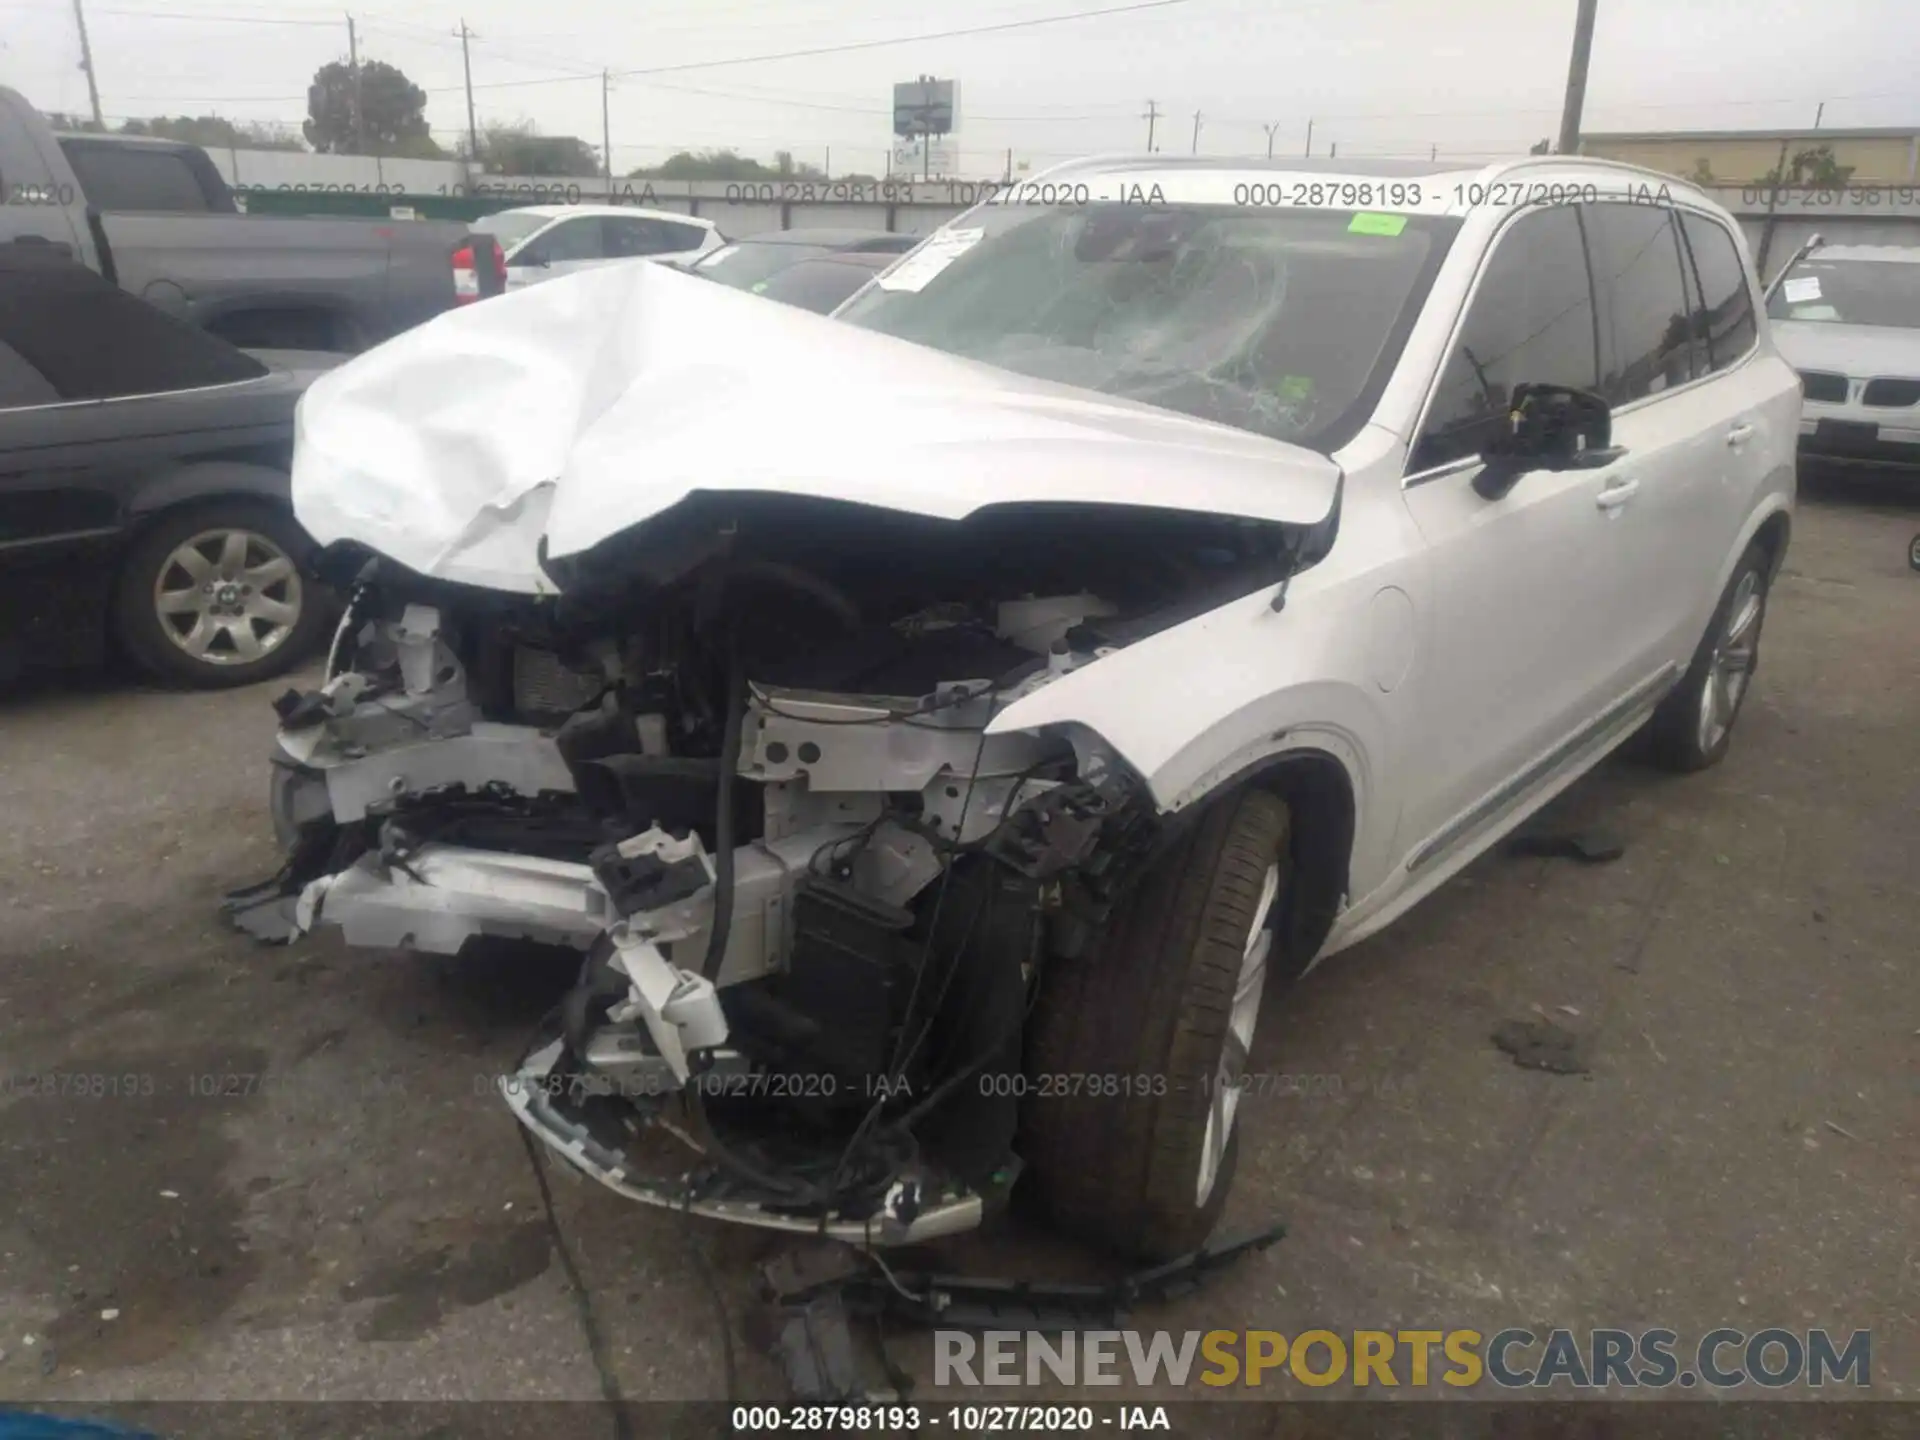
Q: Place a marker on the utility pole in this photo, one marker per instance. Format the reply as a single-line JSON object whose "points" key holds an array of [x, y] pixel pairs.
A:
{"points": [[1819, 114], [86, 64], [1151, 117], [1271, 130], [1309, 138], [1009, 165], [1196, 132], [353, 63], [466, 66], [1577, 78], [606, 129]]}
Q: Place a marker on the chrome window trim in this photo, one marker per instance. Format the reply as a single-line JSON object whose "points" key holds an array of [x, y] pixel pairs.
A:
{"points": [[124, 399]]}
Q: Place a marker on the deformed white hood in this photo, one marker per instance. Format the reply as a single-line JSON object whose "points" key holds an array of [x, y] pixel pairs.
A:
{"points": [[582, 407]]}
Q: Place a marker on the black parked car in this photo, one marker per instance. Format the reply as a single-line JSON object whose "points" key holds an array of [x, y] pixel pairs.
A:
{"points": [[824, 283], [143, 486], [747, 264]]}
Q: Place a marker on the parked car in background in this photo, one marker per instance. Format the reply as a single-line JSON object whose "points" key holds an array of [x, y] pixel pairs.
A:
{"points": [[143, 485], [823, 283], [156, 218], [1108, 613], [542, 242], [1847, 317], [746, 262]]}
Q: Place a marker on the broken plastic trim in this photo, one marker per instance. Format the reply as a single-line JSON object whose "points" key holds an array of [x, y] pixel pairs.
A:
{"points": [[526, 1096]]}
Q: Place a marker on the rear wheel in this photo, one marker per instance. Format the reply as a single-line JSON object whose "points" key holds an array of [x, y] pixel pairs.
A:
{"points": [[214, 595], [1139, 1051], [1694, 724]]}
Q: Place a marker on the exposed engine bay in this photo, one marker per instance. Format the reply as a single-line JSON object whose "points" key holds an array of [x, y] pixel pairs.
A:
{"points": [[741, 763]]}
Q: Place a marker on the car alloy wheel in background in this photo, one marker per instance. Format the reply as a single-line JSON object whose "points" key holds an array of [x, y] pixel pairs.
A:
{"points": [[228, 596], [214, 594]]}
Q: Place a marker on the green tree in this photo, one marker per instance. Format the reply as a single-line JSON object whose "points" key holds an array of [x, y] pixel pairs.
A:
{"points": [[516, 147], [1813, 166], [393, 112], [60, 120], [1703, 173], [1541, 147], [215, 132], [728, 165]]}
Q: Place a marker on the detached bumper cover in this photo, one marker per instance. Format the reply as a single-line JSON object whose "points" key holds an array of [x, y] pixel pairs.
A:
{"points": [[528, 1095]]}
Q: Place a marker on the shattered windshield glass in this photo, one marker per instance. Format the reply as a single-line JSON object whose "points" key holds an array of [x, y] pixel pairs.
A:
{"points": [[1283, 322]]}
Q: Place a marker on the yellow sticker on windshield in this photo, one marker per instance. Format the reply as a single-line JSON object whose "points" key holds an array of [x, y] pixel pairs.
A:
{"points": [[1371, 222]]}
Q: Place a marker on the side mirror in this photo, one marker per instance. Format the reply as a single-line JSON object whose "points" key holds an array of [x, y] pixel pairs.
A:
{"points": [[1548, 427]]}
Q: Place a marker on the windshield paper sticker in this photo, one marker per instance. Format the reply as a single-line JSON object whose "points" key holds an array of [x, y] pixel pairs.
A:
{"points": [[1804, 287], [940, 251], [1369, 222]]}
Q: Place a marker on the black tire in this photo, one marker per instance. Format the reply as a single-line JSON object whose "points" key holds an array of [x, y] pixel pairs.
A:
{"points": [[1150, 1007], [147, 635], [1677, 738], [1913, 552]]}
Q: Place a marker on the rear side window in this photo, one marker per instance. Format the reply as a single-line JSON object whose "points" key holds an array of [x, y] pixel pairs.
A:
{"points": [[1645, 343], [682, 237], [89, 340], [1530, 322], [643, 236], [134, 177], [634, 237], [1724, 329]]}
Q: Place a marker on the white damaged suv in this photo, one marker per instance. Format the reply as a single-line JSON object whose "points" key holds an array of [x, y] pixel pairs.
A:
{"points": [[937, 727]]}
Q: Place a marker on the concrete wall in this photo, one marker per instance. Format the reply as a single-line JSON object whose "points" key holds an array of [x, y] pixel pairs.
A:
{"points": [[292, 169], [1884, 160], [1860, 213]]}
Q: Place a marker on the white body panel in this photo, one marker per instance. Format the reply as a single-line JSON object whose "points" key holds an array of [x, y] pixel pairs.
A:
{"points": [[1462, 659]]}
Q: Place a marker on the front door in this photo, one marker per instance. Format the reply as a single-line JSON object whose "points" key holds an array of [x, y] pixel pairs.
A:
{"points": [[1527, 649], [565, 248]]}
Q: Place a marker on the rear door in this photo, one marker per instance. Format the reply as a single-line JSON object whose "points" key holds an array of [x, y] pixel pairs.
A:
{"points": [[1528, 653], [1755, 396], [1671, 419]]}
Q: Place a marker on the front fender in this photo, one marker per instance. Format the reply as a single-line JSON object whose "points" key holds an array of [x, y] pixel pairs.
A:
{"points": [[1196, 706], [206, 480]]}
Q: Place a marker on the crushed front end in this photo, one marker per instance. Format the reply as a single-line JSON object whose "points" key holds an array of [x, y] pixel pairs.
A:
{"points": [[741, 764]]}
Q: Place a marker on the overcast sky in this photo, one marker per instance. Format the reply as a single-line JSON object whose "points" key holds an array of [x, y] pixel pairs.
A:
{"points": [[1473, 77]]}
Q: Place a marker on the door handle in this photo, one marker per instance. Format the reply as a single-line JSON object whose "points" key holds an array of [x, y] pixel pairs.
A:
{"points": [[1617, 494], [1739, 435]]}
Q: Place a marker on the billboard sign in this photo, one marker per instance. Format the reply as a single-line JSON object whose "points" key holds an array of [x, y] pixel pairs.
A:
{"points": [[926, 107]]}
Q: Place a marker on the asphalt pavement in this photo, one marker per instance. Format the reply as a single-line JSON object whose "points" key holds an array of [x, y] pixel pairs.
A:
{"points": [[281, 1173]]}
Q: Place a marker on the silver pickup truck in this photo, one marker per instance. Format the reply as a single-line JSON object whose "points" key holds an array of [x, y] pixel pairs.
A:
{"points": [[157, 218]]}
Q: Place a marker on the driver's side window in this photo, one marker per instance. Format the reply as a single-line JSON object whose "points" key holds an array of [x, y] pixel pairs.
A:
{"points": [[1530, 322]]}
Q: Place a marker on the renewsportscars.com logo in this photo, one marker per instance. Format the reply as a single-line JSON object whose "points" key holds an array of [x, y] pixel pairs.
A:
{"points": [[1511, 1359]]}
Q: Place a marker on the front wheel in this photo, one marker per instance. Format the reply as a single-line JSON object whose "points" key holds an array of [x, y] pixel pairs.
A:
{"points": [[214, 595], [1138, 1055], [1693, 725]]}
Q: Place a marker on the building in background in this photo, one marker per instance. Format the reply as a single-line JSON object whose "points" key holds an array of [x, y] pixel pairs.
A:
{"points": [[1745, 157]]}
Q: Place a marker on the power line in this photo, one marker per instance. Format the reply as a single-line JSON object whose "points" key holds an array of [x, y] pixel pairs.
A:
{"points": [[840, 49]]}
